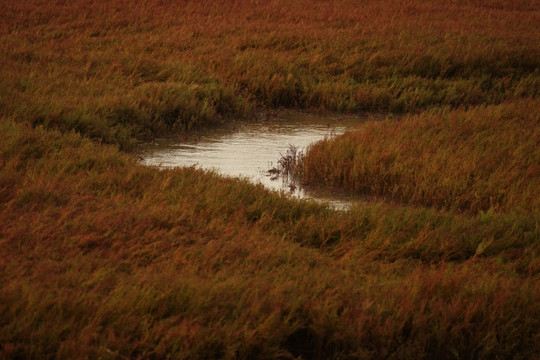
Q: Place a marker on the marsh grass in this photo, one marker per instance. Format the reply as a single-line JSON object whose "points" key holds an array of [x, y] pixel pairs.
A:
{"points": [[119, 71], [101, 257], [475, 160]]}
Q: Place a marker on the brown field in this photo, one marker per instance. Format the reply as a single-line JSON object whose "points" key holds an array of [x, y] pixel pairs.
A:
{"points": [[101, 257]]}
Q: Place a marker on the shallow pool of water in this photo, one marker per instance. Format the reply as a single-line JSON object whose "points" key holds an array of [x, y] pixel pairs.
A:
{"points": [[250, 149]]}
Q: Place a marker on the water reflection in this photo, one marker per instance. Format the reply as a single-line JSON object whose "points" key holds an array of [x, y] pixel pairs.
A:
{"points": [[250, 149]]}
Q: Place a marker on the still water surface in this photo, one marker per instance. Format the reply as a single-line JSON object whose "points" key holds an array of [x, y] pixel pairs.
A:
{"points": [[250, 149]]}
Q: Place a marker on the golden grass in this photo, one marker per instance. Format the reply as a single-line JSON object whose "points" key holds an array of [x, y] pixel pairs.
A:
{"points": [[101, 257], [123, 69], [480, 159]]}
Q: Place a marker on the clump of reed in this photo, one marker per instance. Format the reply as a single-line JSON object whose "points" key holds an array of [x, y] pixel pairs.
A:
{"points": [[465, 160], [290, 164]]}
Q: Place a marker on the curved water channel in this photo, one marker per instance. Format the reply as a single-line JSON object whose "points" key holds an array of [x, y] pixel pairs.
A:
{"points": [[251, 149]]}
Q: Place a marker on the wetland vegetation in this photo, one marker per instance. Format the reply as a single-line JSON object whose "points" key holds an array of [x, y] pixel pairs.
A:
{"points": [[103, 257]]}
